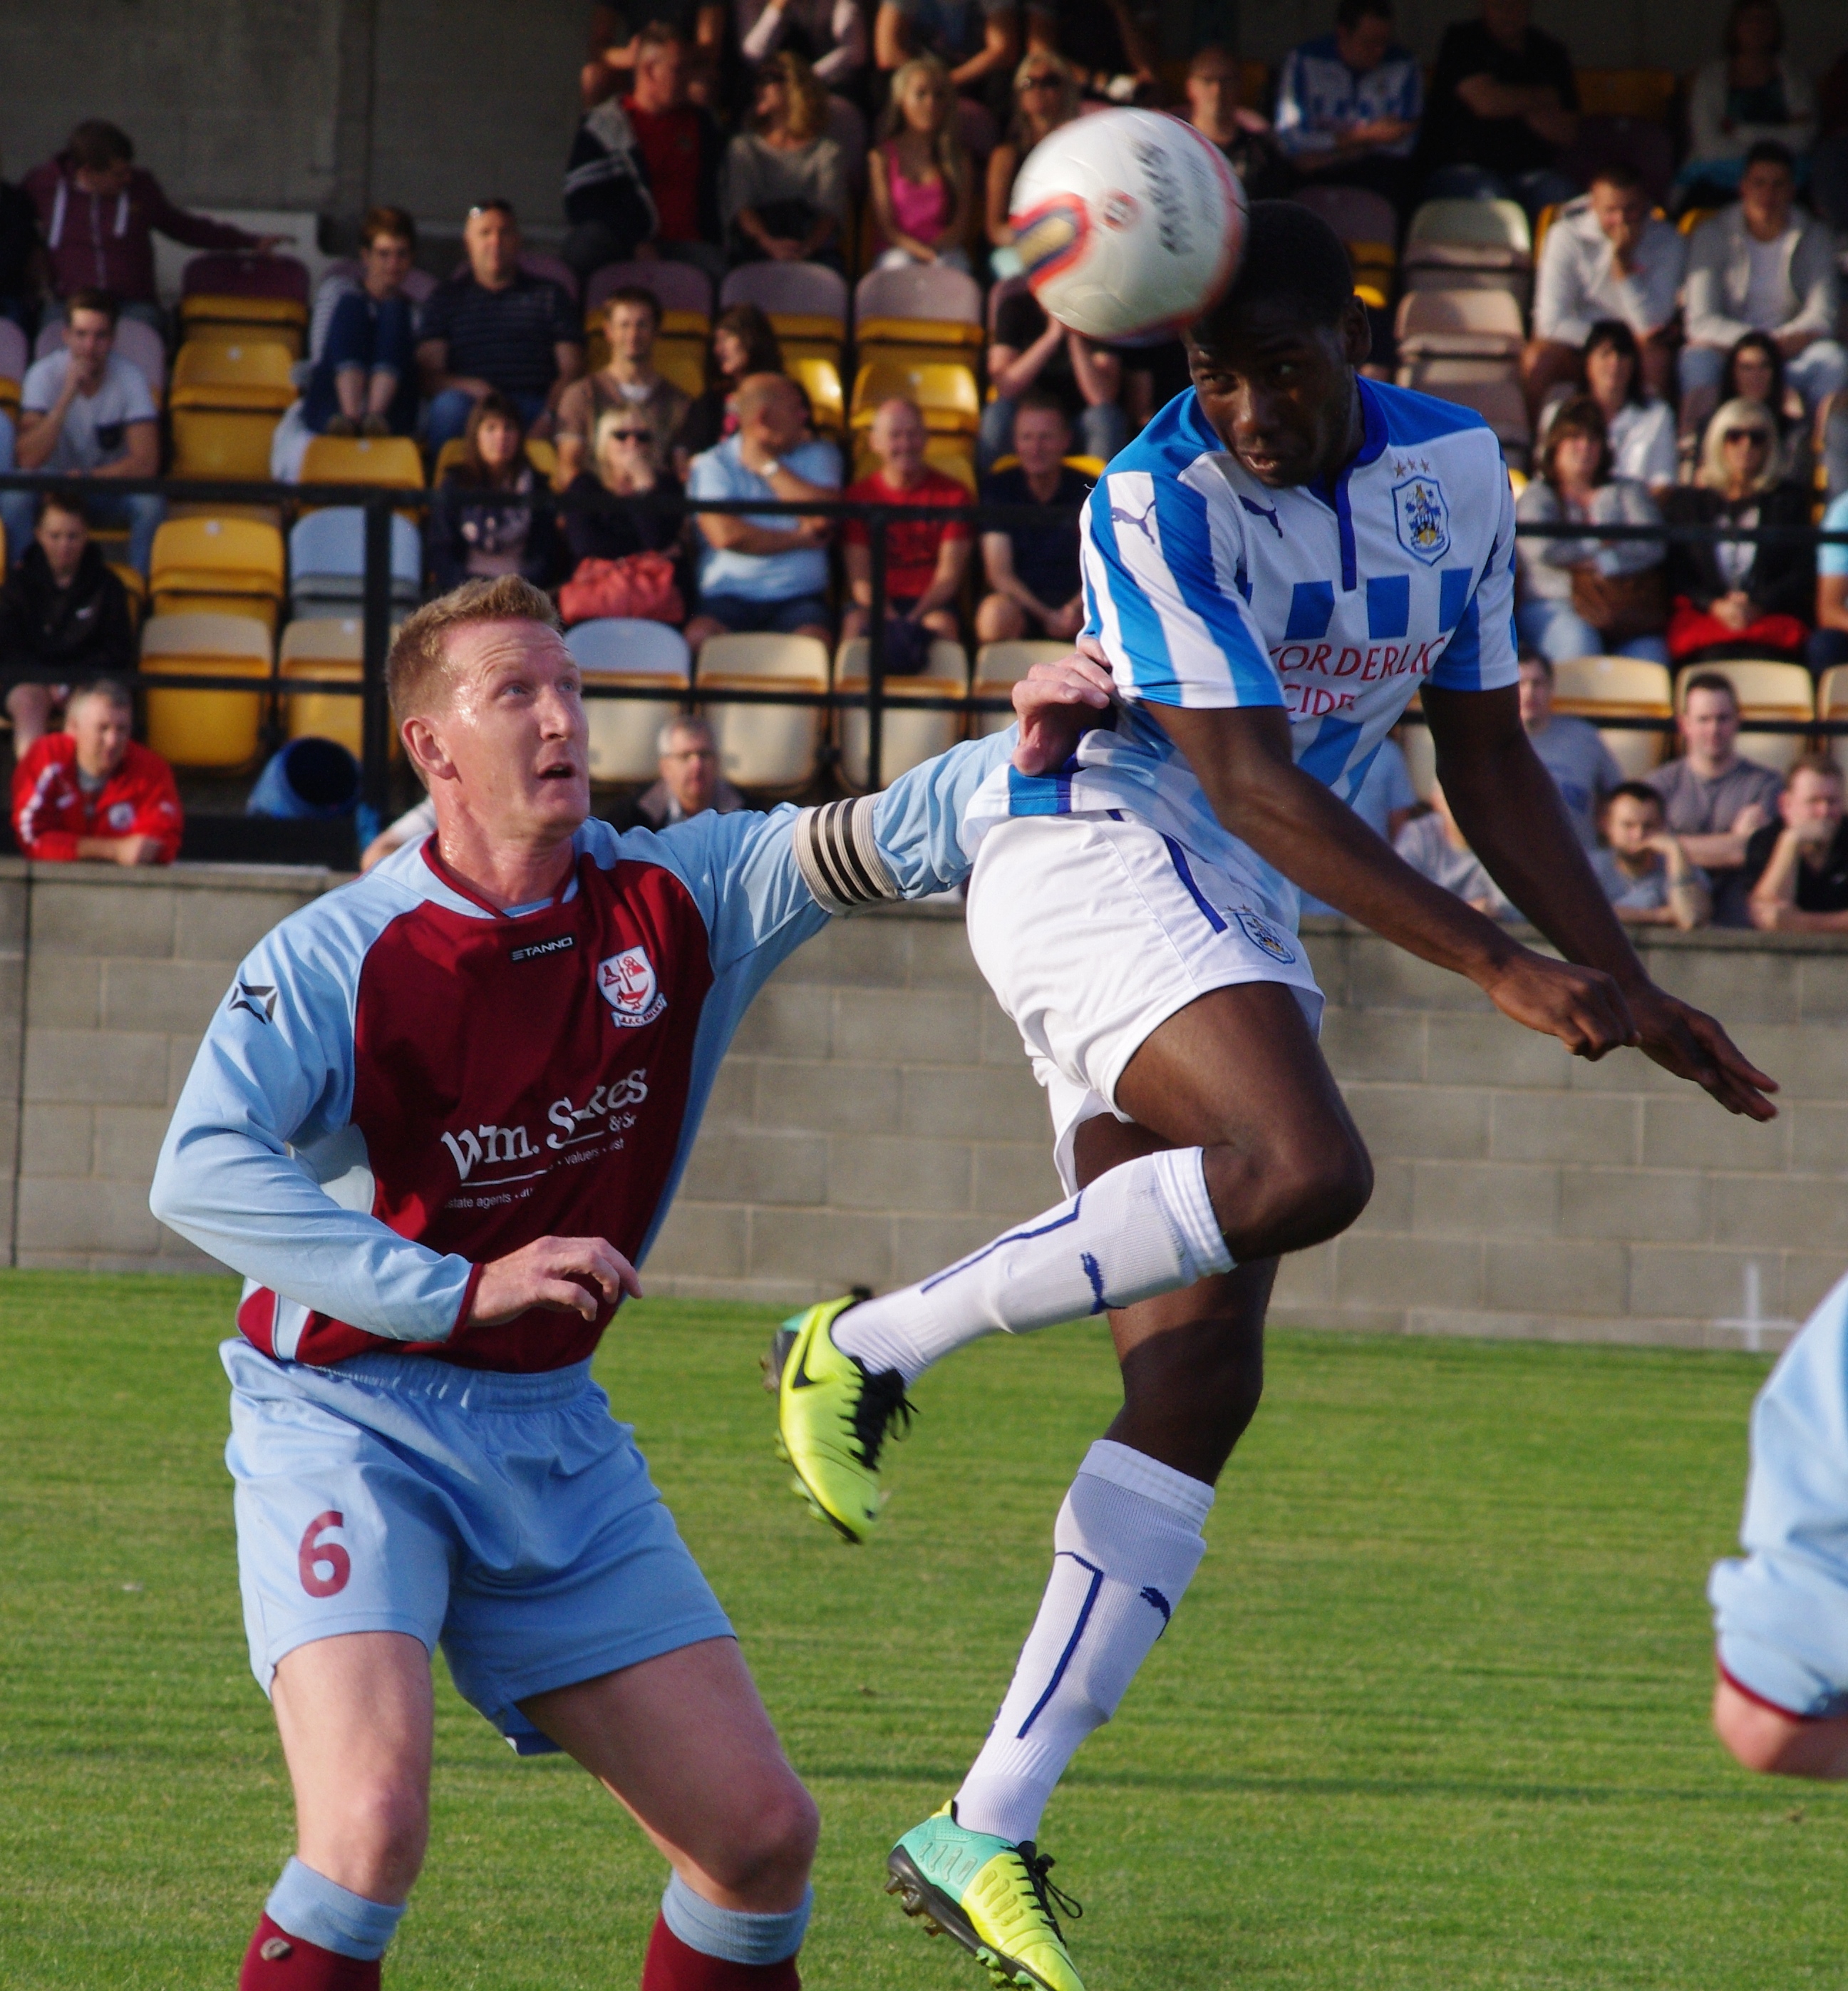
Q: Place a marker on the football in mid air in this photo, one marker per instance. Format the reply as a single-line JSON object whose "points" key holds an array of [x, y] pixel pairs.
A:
{"points": [[1128, 223]]}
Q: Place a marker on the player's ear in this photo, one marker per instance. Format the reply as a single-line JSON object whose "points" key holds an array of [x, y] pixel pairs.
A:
{"points": [[1356, 333], [427, 752]]}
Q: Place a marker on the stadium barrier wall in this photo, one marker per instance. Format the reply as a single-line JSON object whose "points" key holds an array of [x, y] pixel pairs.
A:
{"points": [[876, 1118]]}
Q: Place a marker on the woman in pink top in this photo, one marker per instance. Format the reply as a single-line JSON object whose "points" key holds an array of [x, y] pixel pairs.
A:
{"points": [[918, 173]]}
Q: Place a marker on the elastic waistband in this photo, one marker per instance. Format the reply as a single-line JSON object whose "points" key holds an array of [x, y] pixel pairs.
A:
{"points": [[441, 1382]]}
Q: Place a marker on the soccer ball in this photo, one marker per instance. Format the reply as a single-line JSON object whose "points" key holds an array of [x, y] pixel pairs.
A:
{"points": [[1128, 223]]}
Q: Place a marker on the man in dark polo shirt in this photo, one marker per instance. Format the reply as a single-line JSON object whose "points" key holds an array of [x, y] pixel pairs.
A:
{"points": [[1032, 571], [1797, 867], [495, 327], [1502, 109]]}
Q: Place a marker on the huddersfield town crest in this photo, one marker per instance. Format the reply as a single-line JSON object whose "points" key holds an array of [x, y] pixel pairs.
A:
{"points": [[1421, 516], [1266, 939], [627, 981]]}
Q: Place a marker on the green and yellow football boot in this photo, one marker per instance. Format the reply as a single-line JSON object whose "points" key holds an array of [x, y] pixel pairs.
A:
{"points": [[994, 1898], [833, 1418]]}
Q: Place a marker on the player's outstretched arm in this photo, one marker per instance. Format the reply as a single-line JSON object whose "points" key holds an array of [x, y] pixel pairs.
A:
{"points": [[1507, 805], [1241, 758]]}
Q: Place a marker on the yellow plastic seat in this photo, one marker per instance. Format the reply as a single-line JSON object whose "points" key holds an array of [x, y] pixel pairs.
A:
{"points": [[234, 320], [820, 380], [683, 361], [331, 647], [204, 729], [391, 461], [228, 556], [1692, 218], [1093, 467], [946, 396], [221, 443], [1832, 703], [621, 652], [909, 734], [133, 585], [1767, 688], [770, 748], [946, 332], [999, 667], [1618, 688], [240, 373]]}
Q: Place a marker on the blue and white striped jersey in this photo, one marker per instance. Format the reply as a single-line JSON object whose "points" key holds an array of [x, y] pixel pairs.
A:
{"points": [[1319, 97], [1206, 588]]}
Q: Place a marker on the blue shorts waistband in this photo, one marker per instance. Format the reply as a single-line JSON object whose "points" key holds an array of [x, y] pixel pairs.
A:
{"points": [[437, 1381]]}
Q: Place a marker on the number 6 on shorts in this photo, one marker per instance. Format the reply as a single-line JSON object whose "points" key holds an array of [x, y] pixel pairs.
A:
{"points": [[313, 1553]]}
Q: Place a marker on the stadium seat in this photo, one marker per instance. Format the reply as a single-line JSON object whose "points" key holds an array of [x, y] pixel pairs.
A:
{"points": [[1368, 227], [233, 297], [682, 361], [820, 380], [946, 395], [1693, 216], [326, 561], [1469, 245], [801, 300], [1832, 703], [1092, 467], [1487, 385], [204, 729], [133, 586], [923, 304], [1626, 93], [392, 461], [771, 748], [684, 293], [217, 565], [909, 735], [256, 374], [999, 667], [616, 650], [220, 442], [14, 360], [245, 275], [1458, 325], [1618, 688], [1766, 690], [332, 647]]}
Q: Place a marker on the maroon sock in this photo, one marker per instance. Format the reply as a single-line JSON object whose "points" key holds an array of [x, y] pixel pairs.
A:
{"points": [[671, 1965], [277, 1960]]}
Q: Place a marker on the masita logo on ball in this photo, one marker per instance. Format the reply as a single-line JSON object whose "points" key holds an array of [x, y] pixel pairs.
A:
{"points": [[1128, 222]]}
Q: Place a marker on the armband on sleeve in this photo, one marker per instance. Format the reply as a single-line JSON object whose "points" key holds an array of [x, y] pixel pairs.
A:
{"points": [[839, 858]]}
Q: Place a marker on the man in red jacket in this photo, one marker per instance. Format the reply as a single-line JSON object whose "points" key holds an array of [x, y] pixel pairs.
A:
{"points": [[92, 792]]}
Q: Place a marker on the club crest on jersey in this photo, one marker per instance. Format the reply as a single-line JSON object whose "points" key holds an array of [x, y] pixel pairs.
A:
{"points": [[627, 983], [1266, 939], [1421, 516]]}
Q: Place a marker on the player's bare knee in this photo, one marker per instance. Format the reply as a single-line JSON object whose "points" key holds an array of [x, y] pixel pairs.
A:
{"points": [[1302, 1187], [383, 1828], [772, 1845]]}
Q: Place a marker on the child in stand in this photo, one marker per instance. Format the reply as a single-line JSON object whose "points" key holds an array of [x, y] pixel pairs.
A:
{"points": [[919, 173]]}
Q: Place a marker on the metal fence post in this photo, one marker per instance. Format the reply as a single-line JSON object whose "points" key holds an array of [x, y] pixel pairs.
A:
{"points": [[875, 656], [375, 721]]}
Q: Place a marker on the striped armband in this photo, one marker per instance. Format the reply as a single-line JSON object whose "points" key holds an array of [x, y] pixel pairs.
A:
{"points": [[839, 858]]}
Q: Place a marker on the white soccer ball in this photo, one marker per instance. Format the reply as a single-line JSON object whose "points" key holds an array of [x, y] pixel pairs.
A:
{"points": [[1128, 222]]}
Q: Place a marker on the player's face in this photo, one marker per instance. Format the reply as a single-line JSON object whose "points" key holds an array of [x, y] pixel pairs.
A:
{"points": [[1280, 393], [513, 735]]}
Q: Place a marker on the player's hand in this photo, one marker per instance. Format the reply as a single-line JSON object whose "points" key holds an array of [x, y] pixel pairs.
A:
{"points": [[1583, 1007], [566, 1275], [1689, 1043], [1057, 703]]}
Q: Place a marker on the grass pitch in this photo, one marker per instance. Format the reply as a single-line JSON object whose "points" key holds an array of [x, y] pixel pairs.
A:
{"points": [[1433, 1716]]}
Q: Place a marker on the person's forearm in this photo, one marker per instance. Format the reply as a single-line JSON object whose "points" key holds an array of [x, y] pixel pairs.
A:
{"points": [[1015, 376], [1776, 890], [738, 536], [32, 449], [1720, 852], [1770, 918]]}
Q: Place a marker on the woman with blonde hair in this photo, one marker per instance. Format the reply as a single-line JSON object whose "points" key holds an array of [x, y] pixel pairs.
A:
{"points": [[785, 197], [1045, 97], [1740, 597], [918, 174]]}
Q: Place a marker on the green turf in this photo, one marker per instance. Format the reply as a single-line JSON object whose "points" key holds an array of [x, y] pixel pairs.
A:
{"points": [[1432, 1717]]}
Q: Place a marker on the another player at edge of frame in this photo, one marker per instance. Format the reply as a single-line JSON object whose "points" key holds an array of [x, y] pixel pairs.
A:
{"points": [[1287, 553], [436, 1122]]}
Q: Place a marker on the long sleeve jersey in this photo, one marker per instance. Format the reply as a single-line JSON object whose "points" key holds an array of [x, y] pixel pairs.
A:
{"points": [[403, 1084], [53, 811]]}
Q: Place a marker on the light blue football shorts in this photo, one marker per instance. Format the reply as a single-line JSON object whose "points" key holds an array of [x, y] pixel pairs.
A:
{"points": [[508, 1518], [1782, 1613]]}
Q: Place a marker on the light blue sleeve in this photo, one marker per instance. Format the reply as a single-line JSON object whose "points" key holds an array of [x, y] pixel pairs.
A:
{"points": [[1482, 654], [1833, 561], [271, 1083]]}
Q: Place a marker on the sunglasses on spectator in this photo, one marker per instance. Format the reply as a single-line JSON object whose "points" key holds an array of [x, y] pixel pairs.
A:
{"points": [[1746, 435], [633, 435]]}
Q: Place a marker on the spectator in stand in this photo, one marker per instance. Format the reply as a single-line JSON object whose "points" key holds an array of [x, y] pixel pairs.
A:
{"points": [[683, 150], [61, 610], [1755, 267], [99, 213], [1348, 104], [1639, 429], [1435, 848], [1504, 106], [786, 183], [623, 460], [1032, 571], [1385, 801], [926, 558], [1604, 258], [1796, 869], [626, 382], [1112, 48], [87, 412], [494, 329], [1031, 350], [830, 34], [1583, 768], [742, 344], [918, 174], [25, 269], [1739, 597], [1714, 799], [1045, 97], [1828, 646], [1587, 597], [614, 46], [689, 782], [1752, 93], [91, 792], [977, 41], [764, 573], [1642, 867], [1753, 372], [1244, 136], [610, 207], [364, 379], [478, 528]]}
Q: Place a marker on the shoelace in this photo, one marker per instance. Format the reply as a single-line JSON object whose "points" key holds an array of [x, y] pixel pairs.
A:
{"points": [[882, 1403], [1047, 1890]]}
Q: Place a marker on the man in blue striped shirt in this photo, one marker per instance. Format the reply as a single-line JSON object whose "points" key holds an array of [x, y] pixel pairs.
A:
{"points": [[1348, 103]]}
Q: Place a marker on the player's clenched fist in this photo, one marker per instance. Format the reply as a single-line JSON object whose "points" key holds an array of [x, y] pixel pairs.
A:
{"points": [[552, 1272], [1583, 1007]]}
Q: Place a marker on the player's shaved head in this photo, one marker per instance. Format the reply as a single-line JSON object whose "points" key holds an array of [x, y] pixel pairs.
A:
{"points": [[1294, 262], [417, 673]]}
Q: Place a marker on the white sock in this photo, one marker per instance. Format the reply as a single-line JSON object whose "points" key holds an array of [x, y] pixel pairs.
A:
{"points": [[1143, 1228], [1124, 1549]]}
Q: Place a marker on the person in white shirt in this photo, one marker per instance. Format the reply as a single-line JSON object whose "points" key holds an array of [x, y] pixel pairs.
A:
{"points": [[1755, 267], [1638, 428], [1605, 257]]}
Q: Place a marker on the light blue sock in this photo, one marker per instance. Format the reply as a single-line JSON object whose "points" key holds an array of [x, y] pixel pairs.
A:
{"points": [[320, 1910], [731, 1934]]}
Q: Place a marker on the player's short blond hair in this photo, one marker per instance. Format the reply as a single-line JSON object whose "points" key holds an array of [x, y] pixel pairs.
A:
{"points": [[418, 665]]}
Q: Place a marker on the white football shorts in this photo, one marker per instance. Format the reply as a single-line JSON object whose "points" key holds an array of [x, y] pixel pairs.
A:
{"points": [[1093, 930]]}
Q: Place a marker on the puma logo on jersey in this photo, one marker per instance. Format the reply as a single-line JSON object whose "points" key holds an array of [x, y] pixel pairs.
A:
{"points": [[1139, 519], [1261, 511]]}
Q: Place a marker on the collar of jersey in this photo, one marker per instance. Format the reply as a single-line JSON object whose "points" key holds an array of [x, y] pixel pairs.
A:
{"points": [[433, 858]]}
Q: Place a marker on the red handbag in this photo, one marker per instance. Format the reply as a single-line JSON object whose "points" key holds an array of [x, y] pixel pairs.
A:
{"points": [[640, 586]]}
